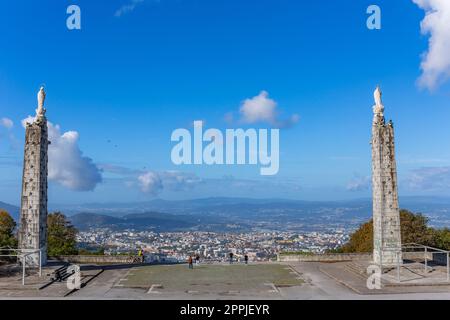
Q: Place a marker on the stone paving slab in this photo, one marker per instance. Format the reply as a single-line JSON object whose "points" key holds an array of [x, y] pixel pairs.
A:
{"points": [[341, 274], [225, 279], [12, 286], [264, 281]]}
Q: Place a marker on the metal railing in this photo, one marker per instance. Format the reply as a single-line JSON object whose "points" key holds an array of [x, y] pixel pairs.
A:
{"points": [[418, 248], [21, 255]]}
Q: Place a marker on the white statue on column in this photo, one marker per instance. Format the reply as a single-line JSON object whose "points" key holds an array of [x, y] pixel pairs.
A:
{"points": [[40, 111], [378, 108]]}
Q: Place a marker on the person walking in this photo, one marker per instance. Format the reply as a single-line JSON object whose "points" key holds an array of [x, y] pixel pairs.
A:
{"points": [[140, 255], [197, 259], [191, 266], [246, 259], [231, 257]]}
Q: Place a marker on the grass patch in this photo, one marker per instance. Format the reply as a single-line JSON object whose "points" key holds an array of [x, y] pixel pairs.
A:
{"points": [[217, 278]]}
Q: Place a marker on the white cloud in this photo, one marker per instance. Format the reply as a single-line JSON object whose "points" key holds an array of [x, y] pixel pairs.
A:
{"points": [[28, 119], [185, 184], [150, 182], [153, 183], [7, 134], [262, 109], [436, 61], [118, 170], [7, 123], [177, 181], [259, 109], [127, 8], [430, 178], [359, 183], [66, 163]]}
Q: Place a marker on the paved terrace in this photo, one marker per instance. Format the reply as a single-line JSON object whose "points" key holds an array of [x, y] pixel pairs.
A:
{"points": [[293, 280]]}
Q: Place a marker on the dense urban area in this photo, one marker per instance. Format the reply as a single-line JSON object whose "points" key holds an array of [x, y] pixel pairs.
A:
{"points": [[210, 246]]}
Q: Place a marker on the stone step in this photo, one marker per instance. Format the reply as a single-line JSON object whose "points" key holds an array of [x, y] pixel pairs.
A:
{"points": [[358, 269], [344, 276]]}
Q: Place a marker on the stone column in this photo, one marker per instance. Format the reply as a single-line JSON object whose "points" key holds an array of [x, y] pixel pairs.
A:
{"points": [[386, 215], [33, 213]]}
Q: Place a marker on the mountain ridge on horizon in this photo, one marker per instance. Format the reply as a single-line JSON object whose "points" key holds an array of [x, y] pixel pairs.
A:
{"points": [[436, 208], [231, 199], [247, 199]]}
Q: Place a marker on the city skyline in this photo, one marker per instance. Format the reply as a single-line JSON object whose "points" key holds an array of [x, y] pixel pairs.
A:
{"points": [[118, 88]]}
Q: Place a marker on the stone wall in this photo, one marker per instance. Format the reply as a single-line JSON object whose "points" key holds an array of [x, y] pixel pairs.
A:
{"points": [[106, 259], [440, 258], [95, 259], [323, 257], [417, 256]]}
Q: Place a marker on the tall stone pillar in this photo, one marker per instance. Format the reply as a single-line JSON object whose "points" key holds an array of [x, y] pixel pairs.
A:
{"points": [[386, 216], [33, 213]]}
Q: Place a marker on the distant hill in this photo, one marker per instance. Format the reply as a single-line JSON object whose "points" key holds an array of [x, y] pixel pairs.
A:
{"points": [[279, 214], [85, 221], [239, 214], [196, 206], [148, 221], [12, 210]]}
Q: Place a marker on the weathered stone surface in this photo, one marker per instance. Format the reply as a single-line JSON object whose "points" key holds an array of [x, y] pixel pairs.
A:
{"points": [[386, 216], [100, 259], [33, 213], [324, 257]]}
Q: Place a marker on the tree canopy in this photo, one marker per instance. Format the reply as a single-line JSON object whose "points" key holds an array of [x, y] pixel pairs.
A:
{"points": [[414, 228], [7, 229], [61, 235]]}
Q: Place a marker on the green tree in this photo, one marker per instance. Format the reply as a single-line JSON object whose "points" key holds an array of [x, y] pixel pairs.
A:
{"points": [[7, 228], [414, 228], [361, 240], [441, 239], [61, 235], [98, 252]]}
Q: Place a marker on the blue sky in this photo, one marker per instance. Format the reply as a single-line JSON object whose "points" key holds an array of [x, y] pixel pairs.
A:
{"points": [[125, 81]]}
